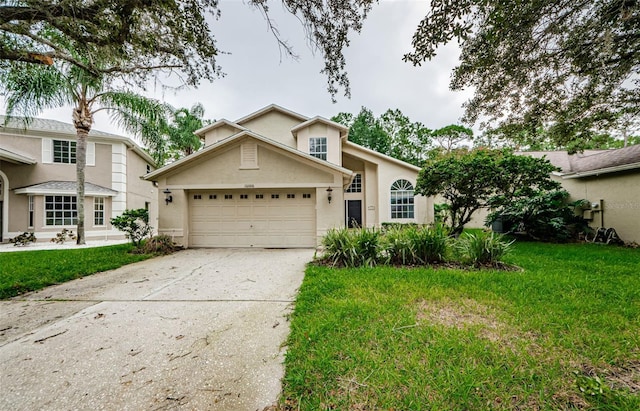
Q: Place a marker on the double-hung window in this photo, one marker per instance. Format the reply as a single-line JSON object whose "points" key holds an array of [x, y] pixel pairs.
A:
{"points": [[98, 211], [64, 151]]}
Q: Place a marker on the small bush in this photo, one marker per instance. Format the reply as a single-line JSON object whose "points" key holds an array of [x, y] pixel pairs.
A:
{"points": [[23, 239], [158, 245], [135, 224], [431, 244], [484, 248], [352, 247], [398, 246], [63, 236]]}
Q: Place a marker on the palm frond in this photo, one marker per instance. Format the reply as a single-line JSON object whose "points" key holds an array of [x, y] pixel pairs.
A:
{"points": [[28, 89]]}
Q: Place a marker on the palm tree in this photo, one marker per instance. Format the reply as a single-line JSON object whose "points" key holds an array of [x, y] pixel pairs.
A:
{"points": [[28, 89]]}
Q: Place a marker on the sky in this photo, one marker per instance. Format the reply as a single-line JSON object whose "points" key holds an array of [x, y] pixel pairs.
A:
{"points": [[258, 74]]}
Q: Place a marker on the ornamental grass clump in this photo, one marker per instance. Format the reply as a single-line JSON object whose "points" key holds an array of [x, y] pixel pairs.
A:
{"points": [[398, 246], [483, 248], [352, 247], [431, 244]]}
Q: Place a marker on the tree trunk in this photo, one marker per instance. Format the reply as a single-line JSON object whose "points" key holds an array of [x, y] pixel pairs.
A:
{"points": [[82, 120]]}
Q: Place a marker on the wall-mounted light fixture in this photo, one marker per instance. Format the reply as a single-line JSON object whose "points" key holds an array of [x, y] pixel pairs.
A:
{"points": [[167, 196], [329, 191]]}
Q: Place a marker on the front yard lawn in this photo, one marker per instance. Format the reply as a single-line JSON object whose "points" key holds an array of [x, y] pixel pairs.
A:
{"points": [[32, 270], [564, 333]]}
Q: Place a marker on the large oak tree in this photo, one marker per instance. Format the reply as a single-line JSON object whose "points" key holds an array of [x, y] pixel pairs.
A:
{"points": [[568, 66]]}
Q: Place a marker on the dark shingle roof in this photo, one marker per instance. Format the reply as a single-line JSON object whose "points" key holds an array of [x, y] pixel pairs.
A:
{"points": [[606, 159]]}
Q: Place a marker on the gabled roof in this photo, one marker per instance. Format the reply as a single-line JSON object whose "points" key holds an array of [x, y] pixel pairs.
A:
{"points": [[219, 123], [54, 128], [344, 130], [15, 158], [235, 137], [358, 147], [269, 108], [66, 187]]}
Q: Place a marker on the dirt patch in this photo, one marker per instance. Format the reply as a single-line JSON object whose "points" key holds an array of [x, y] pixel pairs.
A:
{"points": [[462, 314], [620, 377]]}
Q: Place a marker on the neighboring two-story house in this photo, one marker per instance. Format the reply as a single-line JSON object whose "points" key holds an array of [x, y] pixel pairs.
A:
{"points": [[276, 178], [38, 180]]}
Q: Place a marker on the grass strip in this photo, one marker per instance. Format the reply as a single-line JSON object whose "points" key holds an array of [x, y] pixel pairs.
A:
{"points": [[25, 271]]}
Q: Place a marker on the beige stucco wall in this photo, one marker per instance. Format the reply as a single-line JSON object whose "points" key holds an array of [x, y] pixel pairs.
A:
{"points": [[221, 170], [141, 193], [274, 125], [380, 174], [218, 133], [334, 154], [620, 201], [20, 175]]}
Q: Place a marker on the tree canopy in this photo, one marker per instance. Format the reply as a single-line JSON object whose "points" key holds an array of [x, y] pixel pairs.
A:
{"points": [[471, 180], [141, 36], [571, 65], [392, 133]]}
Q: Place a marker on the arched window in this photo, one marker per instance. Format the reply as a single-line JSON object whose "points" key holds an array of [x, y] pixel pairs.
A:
{"points": [[401, 199]]}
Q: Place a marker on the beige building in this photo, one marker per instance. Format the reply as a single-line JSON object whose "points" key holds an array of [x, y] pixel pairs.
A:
{"points": [[38, 180], [610, 182], [608, 179], [276, 178]]}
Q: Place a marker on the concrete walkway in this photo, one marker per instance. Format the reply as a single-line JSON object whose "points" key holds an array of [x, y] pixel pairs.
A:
{"points": [[197, 330]]}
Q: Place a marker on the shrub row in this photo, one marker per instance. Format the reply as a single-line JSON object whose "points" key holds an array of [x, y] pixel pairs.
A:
{"points": [[411, 245]]}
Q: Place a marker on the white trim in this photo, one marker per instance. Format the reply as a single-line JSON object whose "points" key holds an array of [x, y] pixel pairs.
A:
{"points": [[269, 108], [47, 151], [60, 192], [118, 178], [5, 206], [599, 171], [91, 153], [348, 145]]}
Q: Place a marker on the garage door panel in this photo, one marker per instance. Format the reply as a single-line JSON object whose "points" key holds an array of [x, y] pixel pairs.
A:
{"points": [[252, 221]]}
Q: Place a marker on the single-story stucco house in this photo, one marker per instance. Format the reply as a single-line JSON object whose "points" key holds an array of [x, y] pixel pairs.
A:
{"points": [[276, 178], [38, 180], [610, 182], [608, 179]]}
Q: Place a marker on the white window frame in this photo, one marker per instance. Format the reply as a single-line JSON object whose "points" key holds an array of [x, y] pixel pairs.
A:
{"points": [[98, 211], [47, 151], [60, 213], [318, 147], [401, 200], [356, 185]]}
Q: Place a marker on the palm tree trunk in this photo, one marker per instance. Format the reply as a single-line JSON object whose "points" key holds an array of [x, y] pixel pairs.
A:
{"points": [[82, 120]]}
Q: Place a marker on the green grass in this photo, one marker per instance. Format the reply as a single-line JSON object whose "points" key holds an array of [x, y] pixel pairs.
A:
{"points": [[32, 270], [562, 334]]}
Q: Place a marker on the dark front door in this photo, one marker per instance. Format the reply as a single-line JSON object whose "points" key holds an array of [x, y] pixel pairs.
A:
{"points": [[354, 213], [1, 209]]}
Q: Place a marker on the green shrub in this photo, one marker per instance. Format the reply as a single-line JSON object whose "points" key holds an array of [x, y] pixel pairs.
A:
{"points": [[431, 244], [352, 247], [543, 216], [484, 248], [158, 245], [398, 246], [135, 224]]}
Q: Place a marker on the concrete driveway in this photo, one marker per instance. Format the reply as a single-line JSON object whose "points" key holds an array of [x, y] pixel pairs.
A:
{"points": [[197, 330]]}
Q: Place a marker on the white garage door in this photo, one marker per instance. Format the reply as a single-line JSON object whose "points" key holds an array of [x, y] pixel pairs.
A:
{"points": [[252, 218]]}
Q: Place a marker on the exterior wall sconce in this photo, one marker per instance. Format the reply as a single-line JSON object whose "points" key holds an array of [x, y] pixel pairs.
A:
{"points": [[167, 196], [329, 191]]}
